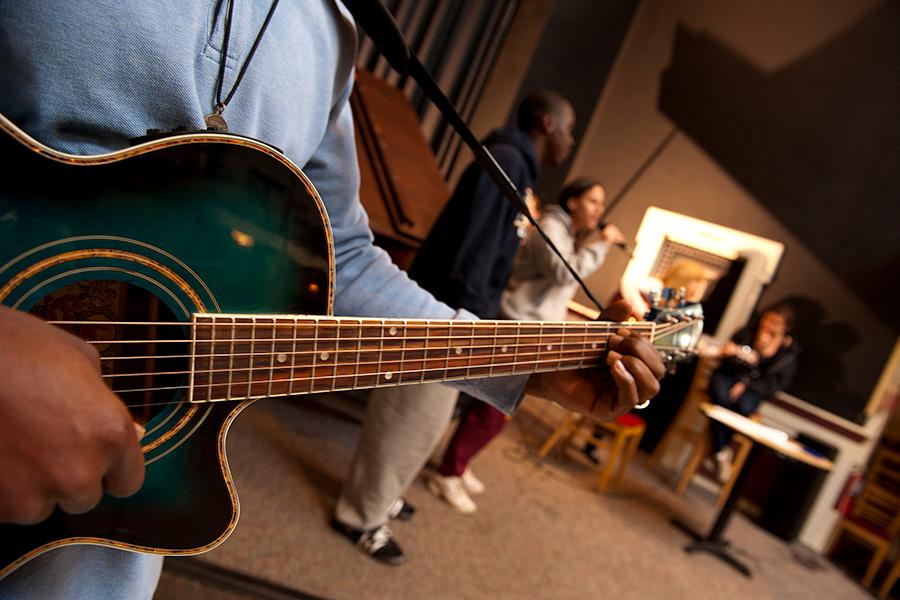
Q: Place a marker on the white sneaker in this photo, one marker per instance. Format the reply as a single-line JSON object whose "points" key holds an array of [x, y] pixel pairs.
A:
{"points": [[726, 454], [451, 489], [472, 484], [723, 464]]}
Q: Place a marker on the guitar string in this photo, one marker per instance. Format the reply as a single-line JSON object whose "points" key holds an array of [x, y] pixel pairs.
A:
{"points": [[400, 325], [333, 351], [280, 365], [659, 332], [583, 362], [348, 322], [565, 332], [336, 339], [572, 349], [339, 342], [464, 332], [332, 377], [564, 345]]}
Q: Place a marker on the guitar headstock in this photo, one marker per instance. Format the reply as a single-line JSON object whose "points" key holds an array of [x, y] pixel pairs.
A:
{"points": [[679, 325]]}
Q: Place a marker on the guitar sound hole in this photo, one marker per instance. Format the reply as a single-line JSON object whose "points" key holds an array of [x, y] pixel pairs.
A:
{"points": [[143, 353]]}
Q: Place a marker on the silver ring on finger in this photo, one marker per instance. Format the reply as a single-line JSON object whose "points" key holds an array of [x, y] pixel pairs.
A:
{"points": [[642, 405]]}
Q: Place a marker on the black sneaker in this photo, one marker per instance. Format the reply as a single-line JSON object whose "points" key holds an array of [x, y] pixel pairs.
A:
{"points": [[401, 510], [592, 453], [377, 542]]}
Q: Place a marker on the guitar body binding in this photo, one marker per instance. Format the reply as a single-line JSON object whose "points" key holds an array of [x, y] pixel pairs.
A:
{"points": [[195, 223]]}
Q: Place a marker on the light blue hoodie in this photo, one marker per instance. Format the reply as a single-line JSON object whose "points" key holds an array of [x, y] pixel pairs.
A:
{"points": [[85, 76]]}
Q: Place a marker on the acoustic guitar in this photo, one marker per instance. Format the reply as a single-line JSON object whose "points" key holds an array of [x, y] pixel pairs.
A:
{"points": [[201, 268]]}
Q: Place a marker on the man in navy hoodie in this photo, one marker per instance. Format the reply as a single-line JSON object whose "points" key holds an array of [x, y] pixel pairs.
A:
{"points": [[468, 255], [465, 262]]}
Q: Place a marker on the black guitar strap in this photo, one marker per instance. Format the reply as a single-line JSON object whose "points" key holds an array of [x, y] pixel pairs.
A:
{"points": [[380, 26]]}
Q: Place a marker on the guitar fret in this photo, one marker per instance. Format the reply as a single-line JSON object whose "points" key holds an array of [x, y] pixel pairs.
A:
{"points": [[250, 357], [540, 347], [358, 352], [584, 350], [425, 349], [559, 352], [293, 359], [449, 347], [516, 349], [230, 361], [212, 358], [493, 352], [272, 356], [380, 352], [471, 350], [315, 356], [334, 372], [191, 378], [402, 368]]}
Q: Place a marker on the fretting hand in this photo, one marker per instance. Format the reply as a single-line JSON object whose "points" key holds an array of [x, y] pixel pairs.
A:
{"points": [[64, 436], [629, 378]]}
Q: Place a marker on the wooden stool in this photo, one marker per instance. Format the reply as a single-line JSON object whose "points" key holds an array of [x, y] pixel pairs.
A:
{"points": [[701, 448], [627, 431], [889, 581]]}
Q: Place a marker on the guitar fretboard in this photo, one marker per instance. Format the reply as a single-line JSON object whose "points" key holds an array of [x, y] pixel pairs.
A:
{"points": [[238, 357]]}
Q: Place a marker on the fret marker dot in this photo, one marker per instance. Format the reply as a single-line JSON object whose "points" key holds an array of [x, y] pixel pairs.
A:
{"points": [[459, 350], [549, 346], [503, 349], [324, 356], [281, 357], [392, 331], [388, 375], [594, 345]]}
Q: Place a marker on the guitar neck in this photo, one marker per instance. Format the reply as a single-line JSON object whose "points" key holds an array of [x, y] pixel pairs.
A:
{"points": [[235, 357]]}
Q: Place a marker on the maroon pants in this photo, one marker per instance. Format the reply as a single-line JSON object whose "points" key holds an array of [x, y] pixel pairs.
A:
{"points": [[478, 425]]}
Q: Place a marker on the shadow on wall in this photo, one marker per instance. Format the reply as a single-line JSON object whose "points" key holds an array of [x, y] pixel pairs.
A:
{"points": [[817, 142], [821, 376]]}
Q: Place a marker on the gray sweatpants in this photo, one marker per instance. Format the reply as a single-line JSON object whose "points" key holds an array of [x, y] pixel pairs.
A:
{"points": [[402, 427]]}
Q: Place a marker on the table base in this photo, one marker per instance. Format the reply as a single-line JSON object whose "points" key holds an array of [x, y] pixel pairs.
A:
{"points": [[718, 548]]}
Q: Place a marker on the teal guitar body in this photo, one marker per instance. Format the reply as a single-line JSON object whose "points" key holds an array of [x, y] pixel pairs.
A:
{"points": [[196, 223]]}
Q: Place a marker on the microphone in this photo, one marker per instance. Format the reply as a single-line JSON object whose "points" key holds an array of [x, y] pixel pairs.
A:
{"points": [[629, 252]]}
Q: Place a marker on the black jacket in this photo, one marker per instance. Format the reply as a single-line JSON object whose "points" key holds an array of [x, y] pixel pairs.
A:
{"points": [[771, 375], [468, 256]]}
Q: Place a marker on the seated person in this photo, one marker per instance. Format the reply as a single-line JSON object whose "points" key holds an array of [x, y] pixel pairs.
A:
{"points": [[759, 361]]}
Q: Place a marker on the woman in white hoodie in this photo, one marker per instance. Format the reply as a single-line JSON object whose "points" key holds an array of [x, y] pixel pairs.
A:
{"points": [[539, 288], [541, 285]]}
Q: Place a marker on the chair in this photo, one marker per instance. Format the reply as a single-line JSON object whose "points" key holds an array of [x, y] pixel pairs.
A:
{"points": [[685, 428], [875, 515], [685, 424], [627, 431], [889, 581], [742, 447]]}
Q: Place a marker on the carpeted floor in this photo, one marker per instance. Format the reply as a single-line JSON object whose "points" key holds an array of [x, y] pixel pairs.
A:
{"points": [[541, 531]]}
